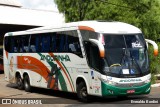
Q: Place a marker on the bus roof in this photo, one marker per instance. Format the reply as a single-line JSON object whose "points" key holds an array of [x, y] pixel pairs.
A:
{"points": [[97, 26]]}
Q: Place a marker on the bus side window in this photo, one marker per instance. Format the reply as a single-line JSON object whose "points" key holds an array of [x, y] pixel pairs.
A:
{"points": [[16, 44], [74, 46], [66, 41], [12, 45], [61, 42], [86, 35], [8, 44], [38, 43], [32, 47], [73, 43], [92, 53], [53, 42], [61, 45], [45, 43], [24, 44]]}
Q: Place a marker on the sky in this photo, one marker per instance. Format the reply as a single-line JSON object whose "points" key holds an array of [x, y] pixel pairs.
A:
{"points": [[43, 5]]}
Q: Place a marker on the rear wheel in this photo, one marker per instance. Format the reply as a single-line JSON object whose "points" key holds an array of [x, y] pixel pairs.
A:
{"points": [[19, 82], [27, 85], [82, 92]]}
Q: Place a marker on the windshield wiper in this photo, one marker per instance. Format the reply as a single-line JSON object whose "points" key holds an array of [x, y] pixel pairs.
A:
{"points": [[125, 59], [136, 63]]}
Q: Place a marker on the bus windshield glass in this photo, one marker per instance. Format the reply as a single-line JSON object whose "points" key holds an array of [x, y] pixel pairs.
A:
{"points": [[125, 55]]}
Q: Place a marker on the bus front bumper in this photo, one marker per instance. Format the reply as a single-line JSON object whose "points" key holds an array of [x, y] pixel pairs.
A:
{"points": [[110, 90]]}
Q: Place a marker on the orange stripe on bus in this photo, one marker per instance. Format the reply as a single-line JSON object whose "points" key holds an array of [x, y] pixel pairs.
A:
{"points": [[51, 54], [52, 83], [86, 28], [6, 54], [33, 64]]}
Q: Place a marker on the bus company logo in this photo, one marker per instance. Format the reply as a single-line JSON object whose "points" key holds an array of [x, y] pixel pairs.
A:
{"points": [[6, 101], [49, 58], [130, 80], [27, 60]]}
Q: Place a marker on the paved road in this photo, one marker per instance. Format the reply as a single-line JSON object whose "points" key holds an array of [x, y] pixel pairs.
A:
{"points": [[62, 99]]}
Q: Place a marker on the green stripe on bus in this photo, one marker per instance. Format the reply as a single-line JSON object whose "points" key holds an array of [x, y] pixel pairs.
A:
{"points": [[62, 82], [68, 74], [60, 77]]}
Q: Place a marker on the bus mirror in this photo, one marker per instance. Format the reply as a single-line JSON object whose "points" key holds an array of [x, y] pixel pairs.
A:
{"points": [[100, 46], [155, 46], [147, 44]]}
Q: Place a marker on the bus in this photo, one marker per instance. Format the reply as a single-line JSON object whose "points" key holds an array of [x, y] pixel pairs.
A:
{"points": [[90, 58]]}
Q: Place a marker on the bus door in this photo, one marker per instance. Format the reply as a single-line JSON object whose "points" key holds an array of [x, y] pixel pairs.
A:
{"points": [[94, 82], [93, 58]]}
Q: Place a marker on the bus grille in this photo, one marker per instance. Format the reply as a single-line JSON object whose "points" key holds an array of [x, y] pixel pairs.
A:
{"points": [[130, 85]]}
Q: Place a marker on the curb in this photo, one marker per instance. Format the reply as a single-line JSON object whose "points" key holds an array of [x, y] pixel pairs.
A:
{"points": [[155, 85]]}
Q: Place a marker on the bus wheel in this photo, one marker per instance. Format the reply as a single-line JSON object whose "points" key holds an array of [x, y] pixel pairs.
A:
{"points": [[82, 92], [27, 85], [19, 82]]}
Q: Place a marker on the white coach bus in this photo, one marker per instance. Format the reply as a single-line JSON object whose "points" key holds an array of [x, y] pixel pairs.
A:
{"points": [[88, 58]]}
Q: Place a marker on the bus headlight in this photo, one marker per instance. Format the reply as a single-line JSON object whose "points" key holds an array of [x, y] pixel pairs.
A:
{"points": [[147, 81], [108, 81], [112, 83]]}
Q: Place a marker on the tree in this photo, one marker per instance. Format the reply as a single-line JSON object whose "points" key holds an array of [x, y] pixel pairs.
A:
{"points": [[144, 14], [74, 10]]}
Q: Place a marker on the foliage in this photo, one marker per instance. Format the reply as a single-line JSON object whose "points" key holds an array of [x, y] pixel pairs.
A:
{"points": [[154, 63], [74, 10], [141, 13]]}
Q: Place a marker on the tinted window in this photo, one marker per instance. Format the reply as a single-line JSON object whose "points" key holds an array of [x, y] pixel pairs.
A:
{"points": [[67, 41], [114, 41], [40, 43], [92, 53], [16, 44], [86, 35], [8, 44], [24, 43]]}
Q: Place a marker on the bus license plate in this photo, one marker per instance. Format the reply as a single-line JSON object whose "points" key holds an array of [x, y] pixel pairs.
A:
{"points": [[130, 91]]}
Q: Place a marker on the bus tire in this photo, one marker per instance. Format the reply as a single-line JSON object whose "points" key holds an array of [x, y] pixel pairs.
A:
{"points": [[82, 92], [27, 85], [19, 82]]}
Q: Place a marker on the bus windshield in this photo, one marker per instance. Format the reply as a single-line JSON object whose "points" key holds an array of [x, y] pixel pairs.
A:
{"points": [[125, 55]]}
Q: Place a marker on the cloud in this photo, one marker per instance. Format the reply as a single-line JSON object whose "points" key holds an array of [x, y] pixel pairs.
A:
{"points": [[39, 4], [43, 5]]}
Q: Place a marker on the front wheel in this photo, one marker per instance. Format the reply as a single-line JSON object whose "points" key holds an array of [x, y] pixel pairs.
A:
{"points": [[82, 92], [27, 85]]}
